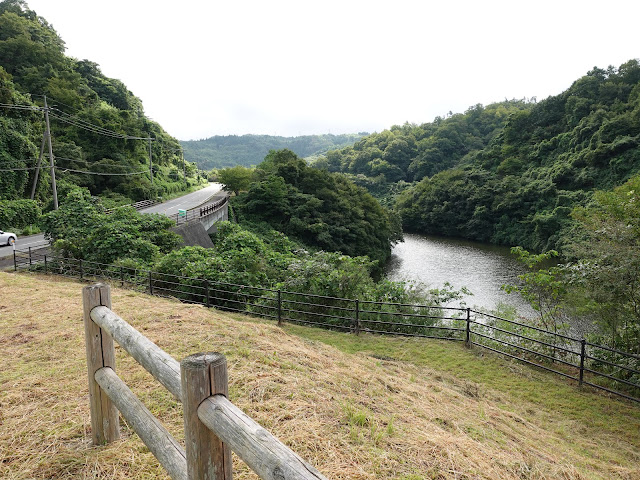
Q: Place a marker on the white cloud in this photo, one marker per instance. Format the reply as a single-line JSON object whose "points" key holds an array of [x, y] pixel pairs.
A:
{"points": [[289, 67]]}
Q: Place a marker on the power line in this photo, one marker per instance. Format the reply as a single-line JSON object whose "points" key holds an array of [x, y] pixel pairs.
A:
{"points": [[61, 169], [17, 169], [15, 106], [76, 122], [92, 163], [58, 102]]}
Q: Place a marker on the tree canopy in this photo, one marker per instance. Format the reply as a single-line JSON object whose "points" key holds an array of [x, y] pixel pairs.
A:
{"points": [[548, 159], [98, 126], [319, 208], [223, 151]]}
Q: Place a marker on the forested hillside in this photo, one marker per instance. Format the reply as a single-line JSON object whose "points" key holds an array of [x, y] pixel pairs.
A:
{"points": [[318, 208], [509, 173], [249, 150], [521, 189], [410, 152], [99, 130]]}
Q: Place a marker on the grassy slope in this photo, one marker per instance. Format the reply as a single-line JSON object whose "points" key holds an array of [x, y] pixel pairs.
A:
{"points": [[361, 408]]}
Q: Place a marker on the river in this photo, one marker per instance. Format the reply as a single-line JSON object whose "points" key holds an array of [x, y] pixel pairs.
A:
{"points": [[480, 267]]}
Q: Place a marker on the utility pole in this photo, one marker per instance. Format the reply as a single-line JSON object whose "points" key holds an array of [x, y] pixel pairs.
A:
{"points": [[150, 161], [35, 178], [53, 169], [184, 168]]}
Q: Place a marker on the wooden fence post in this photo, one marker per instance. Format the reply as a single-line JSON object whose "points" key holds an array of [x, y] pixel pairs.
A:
{"points": [[105, 426], [356, 325], [202, 376]]}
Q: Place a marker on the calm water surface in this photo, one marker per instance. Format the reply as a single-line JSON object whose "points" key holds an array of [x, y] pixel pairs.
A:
{"points": [[480, 267]]}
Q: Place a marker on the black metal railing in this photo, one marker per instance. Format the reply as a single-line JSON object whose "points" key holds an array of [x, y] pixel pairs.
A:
{"points": [[598, 366], [142, 204], [187, 216]]}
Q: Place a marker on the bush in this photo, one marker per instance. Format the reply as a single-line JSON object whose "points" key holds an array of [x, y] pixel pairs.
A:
{"points": [[18, 213]]}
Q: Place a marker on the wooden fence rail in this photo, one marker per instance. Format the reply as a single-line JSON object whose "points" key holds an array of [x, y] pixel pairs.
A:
{"points": [[213, 425]]}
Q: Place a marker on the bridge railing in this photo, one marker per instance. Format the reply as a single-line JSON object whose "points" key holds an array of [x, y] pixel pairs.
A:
{"points": [[213, 425], [199, 212], [142, 204], [587, 363]]}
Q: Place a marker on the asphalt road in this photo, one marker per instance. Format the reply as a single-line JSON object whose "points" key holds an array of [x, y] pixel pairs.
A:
{"points": [[169, 208], [191, 200], [23, 243]]}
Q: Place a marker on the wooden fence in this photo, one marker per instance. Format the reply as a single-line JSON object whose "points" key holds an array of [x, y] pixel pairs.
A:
{"points": [[213, 425]]}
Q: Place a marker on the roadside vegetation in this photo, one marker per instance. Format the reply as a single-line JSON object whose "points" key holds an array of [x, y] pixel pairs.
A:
{"points": [[362, 407], [101, 138]]}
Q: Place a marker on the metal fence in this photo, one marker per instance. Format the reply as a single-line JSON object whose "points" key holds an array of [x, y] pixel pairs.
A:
{"points": [[186, 216], [598, 366]]}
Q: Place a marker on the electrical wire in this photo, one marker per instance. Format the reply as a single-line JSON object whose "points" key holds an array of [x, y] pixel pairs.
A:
{"points": [[89, 163], [20, 107], [62, 170], [18, 169], [66, 118]]}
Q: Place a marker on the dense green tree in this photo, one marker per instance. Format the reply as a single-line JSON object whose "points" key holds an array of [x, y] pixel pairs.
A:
{"points": [[82, 229], [83, 102], [235, 178], [18, 130], [411, 152], [520, 188], [606, 269], [318, 208]]}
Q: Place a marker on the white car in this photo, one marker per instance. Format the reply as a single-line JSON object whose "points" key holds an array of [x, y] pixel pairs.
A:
{"points": [[7, 238]]}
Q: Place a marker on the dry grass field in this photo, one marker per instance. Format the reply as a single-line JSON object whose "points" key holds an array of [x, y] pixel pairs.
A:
{"points": [[356, 408]]}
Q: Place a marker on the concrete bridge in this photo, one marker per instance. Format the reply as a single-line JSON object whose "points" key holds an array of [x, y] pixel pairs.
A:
{"points": [[195, 225]]}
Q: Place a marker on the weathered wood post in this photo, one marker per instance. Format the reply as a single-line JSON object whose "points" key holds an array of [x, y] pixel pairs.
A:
{"points": [[204, 375], [356, 323], [105, 426]]}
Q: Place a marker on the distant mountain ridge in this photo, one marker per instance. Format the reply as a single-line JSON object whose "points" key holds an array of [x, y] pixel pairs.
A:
{"points": [[247, 150]]}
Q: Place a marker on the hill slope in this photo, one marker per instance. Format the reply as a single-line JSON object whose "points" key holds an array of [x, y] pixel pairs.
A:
{"points": [[230, 150], [411, 413], [99, 129]]}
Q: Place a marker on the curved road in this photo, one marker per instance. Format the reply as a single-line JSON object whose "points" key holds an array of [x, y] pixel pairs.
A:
{"points": [[168, 208], [191, 200]]}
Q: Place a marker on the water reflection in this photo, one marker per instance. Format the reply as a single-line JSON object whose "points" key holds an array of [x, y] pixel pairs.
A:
{"points": [[480, 267]]}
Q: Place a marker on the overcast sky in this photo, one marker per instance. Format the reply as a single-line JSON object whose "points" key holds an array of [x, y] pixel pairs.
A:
{"points": [[207, 67]]}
